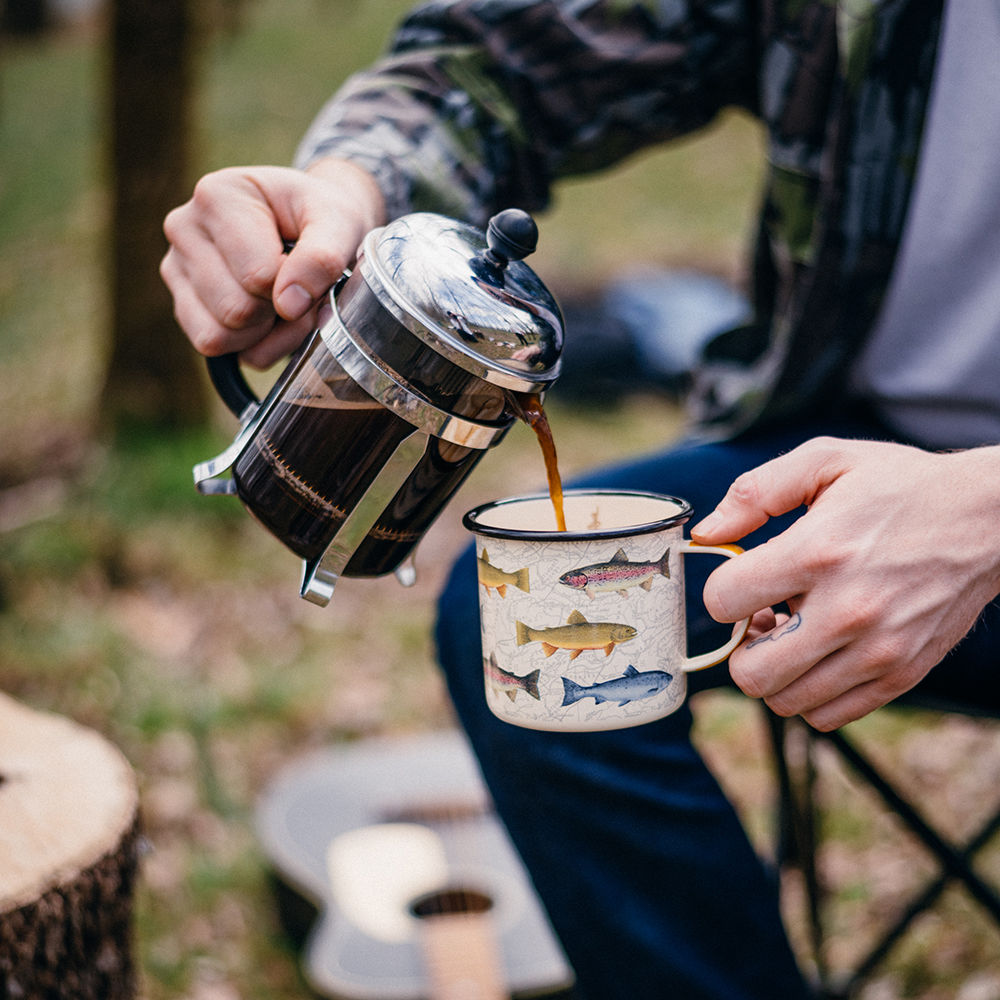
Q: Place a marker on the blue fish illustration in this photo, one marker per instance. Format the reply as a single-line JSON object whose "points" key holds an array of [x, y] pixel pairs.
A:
{"points": [[631, 686]]}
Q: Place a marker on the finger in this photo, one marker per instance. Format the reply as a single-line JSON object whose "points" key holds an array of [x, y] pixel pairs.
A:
{"points": [[195, 270], [770, 574], [774, 488], [231, 214], [859, 677], [848, 707], [323, 251], [858, 701], [760, 624], [283, 338], [206, 333], [775, 660], [822, 683], [328, 213]]}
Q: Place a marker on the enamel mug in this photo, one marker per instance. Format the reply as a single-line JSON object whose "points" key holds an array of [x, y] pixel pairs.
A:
{"points": [[585, 629]]}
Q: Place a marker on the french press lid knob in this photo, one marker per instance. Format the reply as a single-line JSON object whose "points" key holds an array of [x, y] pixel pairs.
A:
{"points": [[511, 235]]}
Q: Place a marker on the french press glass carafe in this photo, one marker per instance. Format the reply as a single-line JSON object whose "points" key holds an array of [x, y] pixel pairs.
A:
{"points": [[388, 405]]}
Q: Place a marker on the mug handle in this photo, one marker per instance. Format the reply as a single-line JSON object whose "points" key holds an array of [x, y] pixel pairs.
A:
{"points": [[716, 655]]}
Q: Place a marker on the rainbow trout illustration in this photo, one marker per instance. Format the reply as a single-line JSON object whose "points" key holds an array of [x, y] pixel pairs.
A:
{"points": [[618, 574], [576, 635], [498, 579], [504, 681], [631, 686]]}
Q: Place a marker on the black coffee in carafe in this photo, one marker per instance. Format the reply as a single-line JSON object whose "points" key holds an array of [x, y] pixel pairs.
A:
{"points": [[317, 453], [392, 401]]}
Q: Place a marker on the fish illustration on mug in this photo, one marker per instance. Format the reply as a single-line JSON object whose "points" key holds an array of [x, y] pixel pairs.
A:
{"points": [[633, 685], [576, 635], [491, 576], [616, 575], [504, 682]]}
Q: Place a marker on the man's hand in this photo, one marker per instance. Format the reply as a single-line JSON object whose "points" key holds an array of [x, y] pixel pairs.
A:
{"points": [[889, 568], [234, 289]]}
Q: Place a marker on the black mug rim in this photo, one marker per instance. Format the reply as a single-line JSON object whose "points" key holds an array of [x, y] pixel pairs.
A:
{"points": [[551, 535]]}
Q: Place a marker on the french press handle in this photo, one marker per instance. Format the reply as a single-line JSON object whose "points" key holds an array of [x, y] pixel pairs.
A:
{"points": [[232, 387]]}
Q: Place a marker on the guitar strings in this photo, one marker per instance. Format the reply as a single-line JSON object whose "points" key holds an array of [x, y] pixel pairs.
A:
{"points": [[455, 823]]}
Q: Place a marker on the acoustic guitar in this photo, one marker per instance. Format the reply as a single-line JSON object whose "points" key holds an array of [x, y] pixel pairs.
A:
{"points": [[420, 894]]}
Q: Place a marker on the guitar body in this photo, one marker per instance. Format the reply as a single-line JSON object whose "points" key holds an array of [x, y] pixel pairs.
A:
{"points": [[415, 880]]}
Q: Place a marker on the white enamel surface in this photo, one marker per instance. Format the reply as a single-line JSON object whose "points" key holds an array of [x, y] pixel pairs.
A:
{"points": [[657, 614]]}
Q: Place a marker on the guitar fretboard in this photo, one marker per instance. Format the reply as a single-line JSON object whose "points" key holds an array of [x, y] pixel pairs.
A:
{"points": [[463, 962]]}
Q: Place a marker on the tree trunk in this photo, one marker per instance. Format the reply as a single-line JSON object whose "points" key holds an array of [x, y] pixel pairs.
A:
{"points": [[68, 860], [154, 376], [25, 17]]}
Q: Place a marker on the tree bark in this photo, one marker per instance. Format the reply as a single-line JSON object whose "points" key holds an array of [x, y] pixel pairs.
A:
{"points": [[154, 376], [68, 860]]}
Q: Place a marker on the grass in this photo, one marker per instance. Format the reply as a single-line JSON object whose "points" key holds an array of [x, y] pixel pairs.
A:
{"points": [[172, 624]]}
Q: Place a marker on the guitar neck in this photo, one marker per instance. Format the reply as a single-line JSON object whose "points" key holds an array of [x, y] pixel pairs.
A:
{"points": [[422, 895], [462, 957]]}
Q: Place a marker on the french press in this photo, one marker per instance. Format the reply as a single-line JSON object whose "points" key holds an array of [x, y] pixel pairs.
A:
{"points": [[390, 403]]}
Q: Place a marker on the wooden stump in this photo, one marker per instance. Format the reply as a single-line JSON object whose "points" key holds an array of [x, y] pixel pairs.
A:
{"points": [[68, 860]]}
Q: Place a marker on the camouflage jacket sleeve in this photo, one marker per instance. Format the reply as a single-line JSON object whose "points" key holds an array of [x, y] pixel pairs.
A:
{"points": [[481, 104]]}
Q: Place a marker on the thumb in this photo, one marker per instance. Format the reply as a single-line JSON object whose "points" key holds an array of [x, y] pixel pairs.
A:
{"points": [[774, 488], [328, 213], [312, 266]]}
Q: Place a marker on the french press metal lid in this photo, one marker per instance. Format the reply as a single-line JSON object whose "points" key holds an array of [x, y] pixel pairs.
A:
{"points": [[473, 302], [427, 337]]}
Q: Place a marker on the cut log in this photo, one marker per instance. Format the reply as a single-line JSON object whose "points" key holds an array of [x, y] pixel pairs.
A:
{"points": [[69, 834]]}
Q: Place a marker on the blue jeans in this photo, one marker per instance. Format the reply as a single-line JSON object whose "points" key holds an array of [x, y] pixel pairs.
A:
{"points": [[639, 858]]}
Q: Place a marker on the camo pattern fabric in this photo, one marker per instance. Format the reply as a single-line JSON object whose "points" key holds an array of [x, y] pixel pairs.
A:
{"points": [[481, 105]]}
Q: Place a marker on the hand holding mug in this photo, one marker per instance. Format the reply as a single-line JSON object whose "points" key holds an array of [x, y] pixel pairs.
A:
{"points": [[887, 570]]}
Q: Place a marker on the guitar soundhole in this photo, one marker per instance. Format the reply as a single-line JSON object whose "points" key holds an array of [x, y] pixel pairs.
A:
{"points": [[450, 901]]}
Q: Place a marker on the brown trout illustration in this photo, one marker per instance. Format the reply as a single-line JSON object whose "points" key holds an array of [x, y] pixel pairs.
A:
{"points": [[503, 681], [616, 575], [498, 579], [576, 635]]}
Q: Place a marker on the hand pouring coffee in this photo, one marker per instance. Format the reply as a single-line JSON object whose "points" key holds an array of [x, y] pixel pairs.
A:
{"points": [[388, 405]]}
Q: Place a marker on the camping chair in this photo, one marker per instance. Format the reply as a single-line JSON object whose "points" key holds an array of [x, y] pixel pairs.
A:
{"points": [[798, 823]]}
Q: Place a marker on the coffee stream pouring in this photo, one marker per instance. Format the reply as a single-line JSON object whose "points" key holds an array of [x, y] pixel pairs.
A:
{"points": [[389, 404]]}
